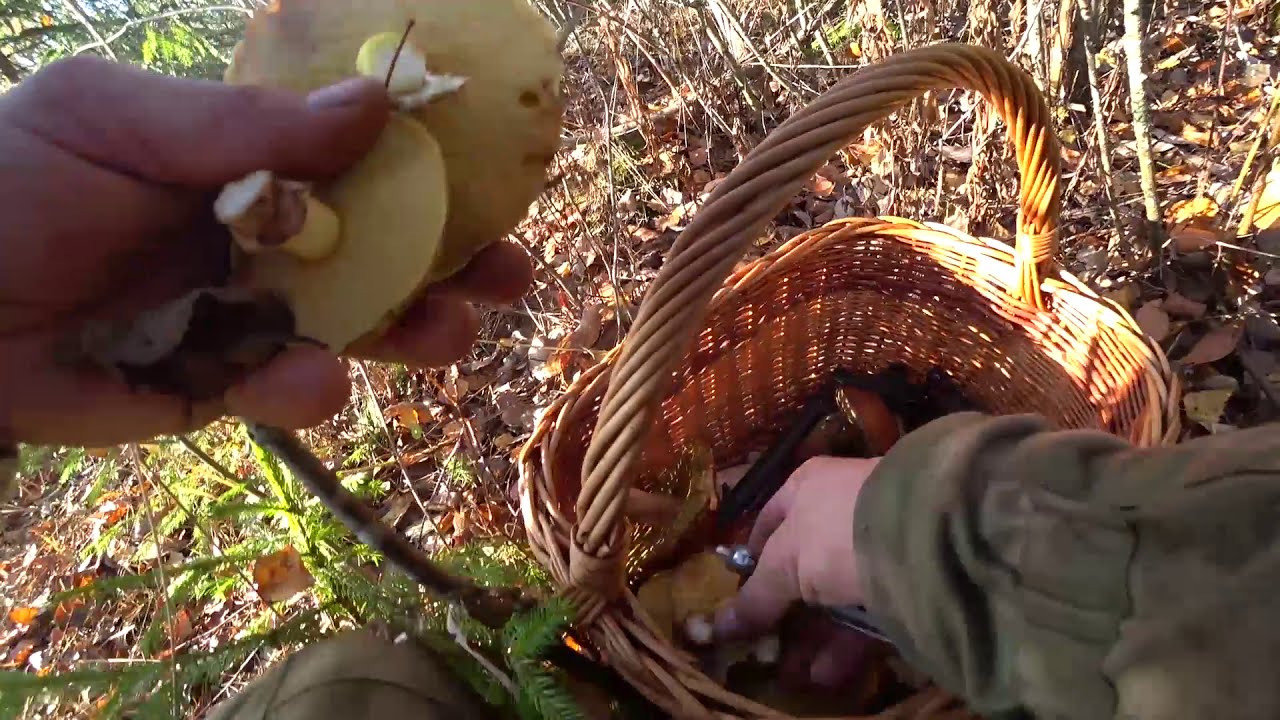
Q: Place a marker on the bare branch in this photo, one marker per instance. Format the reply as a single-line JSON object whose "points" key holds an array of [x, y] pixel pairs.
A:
{"points": [[105, 42], [83, 17]]}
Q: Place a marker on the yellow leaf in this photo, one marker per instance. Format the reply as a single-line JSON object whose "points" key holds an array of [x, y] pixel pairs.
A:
{"points": [[409, 414], [1207, 406], [23, 615], [1193, 224], [1268, 213], [46, 21], [1200, 207]]}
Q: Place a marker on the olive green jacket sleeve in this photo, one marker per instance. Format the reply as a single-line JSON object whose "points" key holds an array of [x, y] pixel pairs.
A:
{"points": [[357, 675], [1068, 575]]}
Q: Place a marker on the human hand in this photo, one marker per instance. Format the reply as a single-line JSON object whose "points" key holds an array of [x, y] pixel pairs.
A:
{"points": [[107, 180], [803, 542]]}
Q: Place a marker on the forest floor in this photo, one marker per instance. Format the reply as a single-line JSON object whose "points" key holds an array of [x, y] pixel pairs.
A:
{"points": [[441, 445]]}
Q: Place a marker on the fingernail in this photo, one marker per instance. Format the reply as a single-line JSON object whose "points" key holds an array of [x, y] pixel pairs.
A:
{"points": [[349, 92], [726, 625]]}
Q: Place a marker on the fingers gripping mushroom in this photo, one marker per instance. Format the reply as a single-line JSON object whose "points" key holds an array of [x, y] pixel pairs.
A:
{"points": [[478, 88], [483, 77], [348, 277]]}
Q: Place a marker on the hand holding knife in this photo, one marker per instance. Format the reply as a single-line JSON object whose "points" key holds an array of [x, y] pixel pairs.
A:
{"points": [[739, 559]]}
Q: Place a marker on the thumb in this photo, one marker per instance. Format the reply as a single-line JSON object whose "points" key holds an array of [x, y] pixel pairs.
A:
{"points": [[196, 133], [760, 604]]}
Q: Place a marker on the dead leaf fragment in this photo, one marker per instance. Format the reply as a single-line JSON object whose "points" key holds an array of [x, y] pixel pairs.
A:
{"points": [[1268, 213], [1184, 307], [281, 575], [409, 414], [1194, 238], [1214, 346], [1153, 320], [1124, 296], [23, 615], [1207, 406], [1193, 224]]}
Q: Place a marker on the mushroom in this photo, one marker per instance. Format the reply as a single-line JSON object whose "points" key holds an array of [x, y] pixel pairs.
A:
{"points": [[482, 76], [347, 278], [478, 84]]}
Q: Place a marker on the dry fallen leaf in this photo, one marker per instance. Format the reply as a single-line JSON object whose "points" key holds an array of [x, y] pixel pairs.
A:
{"points": [[821, 185], [1124, 296], [23, 615], [1268, 213], [1183, 307], [1153, 320], [1194, 237], [281, 575], [1193, 224], [1197, 209], [1214, 346], [576, 344], [409, 414], [1207, 406], [19, 653]]}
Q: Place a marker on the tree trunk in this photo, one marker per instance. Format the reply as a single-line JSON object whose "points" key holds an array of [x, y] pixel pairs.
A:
{"points": [[1133, 24], [1060, 53]]}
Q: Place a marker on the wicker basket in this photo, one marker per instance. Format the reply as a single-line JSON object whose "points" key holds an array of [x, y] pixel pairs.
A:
{"points": [[723, 358]]}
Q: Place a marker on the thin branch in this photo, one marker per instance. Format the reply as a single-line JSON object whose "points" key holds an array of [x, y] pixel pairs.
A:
{"points": [[492, 607], [83, 17], [1264, 384], [1089, 36], [453, 623], [1133, 50], [105, 42], [37, 31], [230, 478]]}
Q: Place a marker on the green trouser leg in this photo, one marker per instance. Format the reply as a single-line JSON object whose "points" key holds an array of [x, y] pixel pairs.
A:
{"points": [[357, 676]]}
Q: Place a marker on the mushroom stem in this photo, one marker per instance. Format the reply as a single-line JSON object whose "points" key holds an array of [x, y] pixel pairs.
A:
{"points": [[266, 214], [319, 235]]}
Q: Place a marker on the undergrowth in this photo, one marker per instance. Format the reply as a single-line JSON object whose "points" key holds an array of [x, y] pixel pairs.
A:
{"points": [[228, 526]]}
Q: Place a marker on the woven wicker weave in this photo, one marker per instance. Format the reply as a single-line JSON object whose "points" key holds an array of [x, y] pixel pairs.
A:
{"points": [[724, 358]]}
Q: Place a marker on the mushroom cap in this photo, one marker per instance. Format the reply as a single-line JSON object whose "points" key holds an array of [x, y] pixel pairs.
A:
{"points": [[499, 132], [391, 207]]}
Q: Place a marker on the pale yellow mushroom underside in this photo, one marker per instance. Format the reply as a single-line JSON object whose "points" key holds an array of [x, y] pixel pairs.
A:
{"points": [[391, 207]]}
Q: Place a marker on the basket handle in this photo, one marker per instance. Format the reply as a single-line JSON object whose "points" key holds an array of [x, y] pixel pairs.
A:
{"points": [[706, 252]]}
